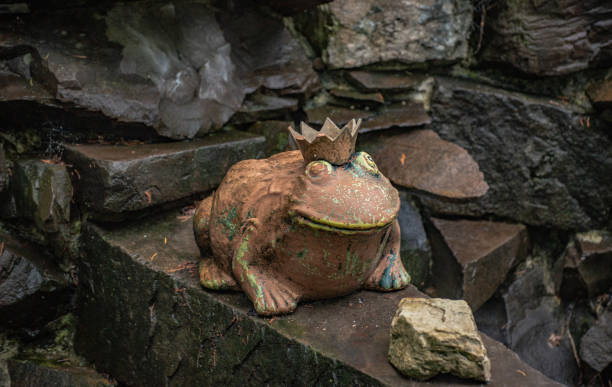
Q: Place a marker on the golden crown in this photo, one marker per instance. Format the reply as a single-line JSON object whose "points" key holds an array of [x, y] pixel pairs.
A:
{"points": [[330, 143]]}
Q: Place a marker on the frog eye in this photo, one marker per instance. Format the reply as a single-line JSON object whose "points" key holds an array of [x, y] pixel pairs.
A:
{"points": [[318, 169], [365, 161]]}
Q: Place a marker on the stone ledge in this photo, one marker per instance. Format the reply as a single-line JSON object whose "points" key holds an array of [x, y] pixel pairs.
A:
{"points": [[115, 180], [144, 319]]}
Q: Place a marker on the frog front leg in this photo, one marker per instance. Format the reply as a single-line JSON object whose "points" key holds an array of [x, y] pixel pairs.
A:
{"points": [[269, 295], [390, 273]]}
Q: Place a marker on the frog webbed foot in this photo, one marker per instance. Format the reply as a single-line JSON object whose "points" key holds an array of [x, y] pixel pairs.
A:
{"points": [[273, 297], [390, 274], [214, 277]]}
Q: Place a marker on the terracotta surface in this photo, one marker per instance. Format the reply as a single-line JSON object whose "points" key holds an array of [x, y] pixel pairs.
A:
{"points": [[423, 161], [472, 258], [330, 143], [284, 231]]}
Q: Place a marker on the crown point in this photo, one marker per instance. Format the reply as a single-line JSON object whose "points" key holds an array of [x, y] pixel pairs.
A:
{"points": [[330, 143]]}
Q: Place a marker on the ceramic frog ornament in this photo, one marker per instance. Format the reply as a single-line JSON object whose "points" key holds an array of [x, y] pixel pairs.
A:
{"points": [[302, 226]]}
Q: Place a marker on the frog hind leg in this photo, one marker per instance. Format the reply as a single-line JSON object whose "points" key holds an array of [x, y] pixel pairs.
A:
{"points": [[212, 276], [270, 295], [390, 273]]}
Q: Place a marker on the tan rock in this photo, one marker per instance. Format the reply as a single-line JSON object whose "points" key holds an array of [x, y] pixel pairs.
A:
{"points": [[433, 336]]}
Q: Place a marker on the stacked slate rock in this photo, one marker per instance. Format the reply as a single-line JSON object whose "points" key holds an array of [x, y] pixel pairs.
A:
{"points": [[117, 118]]}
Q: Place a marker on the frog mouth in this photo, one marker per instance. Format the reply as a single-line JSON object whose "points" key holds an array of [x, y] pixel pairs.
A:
{"points": [[357, 228]]}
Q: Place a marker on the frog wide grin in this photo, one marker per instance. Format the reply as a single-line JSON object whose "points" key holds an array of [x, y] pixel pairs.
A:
{"points": [[349, 229]]}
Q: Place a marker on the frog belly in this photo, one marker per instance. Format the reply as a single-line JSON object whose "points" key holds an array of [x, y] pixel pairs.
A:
{"points": [[326, 264]]}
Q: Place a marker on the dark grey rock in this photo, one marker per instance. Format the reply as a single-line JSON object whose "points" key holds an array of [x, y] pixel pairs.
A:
{"points": [[550, 37], [491, 318], [148, 64], [145, 319], [41, 192], [258, 107], [4, 176], [115, 180], [596, 344], [26, 373], [276, 134], [415, 250], [32, 291], [366, 32], [471, 258], [585, 269], [543, 167], [537, 324]]}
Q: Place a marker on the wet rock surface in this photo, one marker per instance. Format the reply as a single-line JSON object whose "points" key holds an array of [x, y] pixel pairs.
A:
{"points": [[526, 148], [115, 180], [32, 290], [596, 344], [585, 270], [174, 331], [537, 326], [41, 191], [472, 258], [415, 250], [276, 134], [548, 37], [365, 32], [25, 373], [117, 61], [421, 160], [432, 336]]}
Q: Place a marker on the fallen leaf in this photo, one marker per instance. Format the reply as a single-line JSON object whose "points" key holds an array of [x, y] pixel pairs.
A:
{"points": [[152, 257], [521, 372], [148, 195], [403, 159], [165, 240], [554, 340], [184, 218]]}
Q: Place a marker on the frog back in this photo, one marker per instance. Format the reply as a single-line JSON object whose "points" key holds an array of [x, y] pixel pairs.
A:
{"points": [[251, 189]]}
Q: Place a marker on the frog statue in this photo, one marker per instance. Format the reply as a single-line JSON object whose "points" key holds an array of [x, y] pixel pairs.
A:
{"points": [[316, 223]]}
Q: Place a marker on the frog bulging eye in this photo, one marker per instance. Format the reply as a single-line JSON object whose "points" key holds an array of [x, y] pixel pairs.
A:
{"points": [[365, 161], [318, 169]]}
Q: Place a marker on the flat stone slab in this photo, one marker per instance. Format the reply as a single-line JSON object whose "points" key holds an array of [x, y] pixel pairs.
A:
{"points": [[115, 180], [412, 114], [385, 81], [422, 160], [472, 258], [144, 318], [340, 115]]}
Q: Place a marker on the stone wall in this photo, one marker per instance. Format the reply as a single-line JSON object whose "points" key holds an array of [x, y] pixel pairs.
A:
{"points": [[493, 119]]}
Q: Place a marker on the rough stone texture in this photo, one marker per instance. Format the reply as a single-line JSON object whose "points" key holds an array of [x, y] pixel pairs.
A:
{"points": [[491, 319], [585, 270], [339, 115], [536, 327], [32, 290], [412, 114], [421, 160], [432, 336], [550, 37], [264, 107], [472, 258], [542, 166], [4, 176], [600, 93], [371, 31], [276, 134], [596, 344], [380, 81], [119, 61], [26, 373], [39, 191], [415, 250], [144, 318], [353, 96], [115, 180]]}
